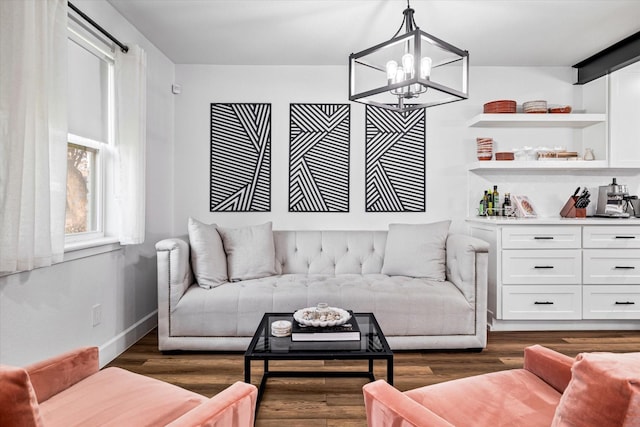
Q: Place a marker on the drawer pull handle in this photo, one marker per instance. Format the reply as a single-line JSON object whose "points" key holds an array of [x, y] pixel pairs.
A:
{"points": [[546, 303], [625, 303], [542, 237], [543, 266], [625, 237], [624, 267]]}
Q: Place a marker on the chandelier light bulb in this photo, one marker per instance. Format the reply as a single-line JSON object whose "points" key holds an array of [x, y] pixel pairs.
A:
{"points": [[425, 67], [399, 75], [407, 64], [392, 69]]}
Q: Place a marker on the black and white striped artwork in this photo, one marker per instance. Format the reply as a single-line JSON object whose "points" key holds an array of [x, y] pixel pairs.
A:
{"points": [[319, 158], [395, 160], [240, 158]]}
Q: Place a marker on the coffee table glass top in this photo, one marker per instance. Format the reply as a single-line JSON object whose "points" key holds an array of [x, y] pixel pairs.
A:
{"points": [[372, 340]]}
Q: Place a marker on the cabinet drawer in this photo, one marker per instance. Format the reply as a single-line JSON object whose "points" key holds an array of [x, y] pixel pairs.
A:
{"points": [[545, 267], [611, 266], [541, 302], [611, 237], [552, 237], [611, 302]]}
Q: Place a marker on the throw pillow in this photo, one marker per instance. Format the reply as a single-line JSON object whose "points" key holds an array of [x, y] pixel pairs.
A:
{"points": [[604, 391], [250, 251], [208, 260], [416, 250]]}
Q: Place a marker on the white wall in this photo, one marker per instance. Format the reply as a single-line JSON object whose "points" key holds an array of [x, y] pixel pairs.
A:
{"points": [[49, 310], [280, 86], [450, 145]]}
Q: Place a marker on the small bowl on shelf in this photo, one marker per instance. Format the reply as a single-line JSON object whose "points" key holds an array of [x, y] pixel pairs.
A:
{"points": [[535, 107], [505, 155]]}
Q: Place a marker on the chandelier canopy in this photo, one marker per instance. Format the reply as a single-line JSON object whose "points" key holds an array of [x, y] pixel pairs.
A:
{"points": [[410, 71]]}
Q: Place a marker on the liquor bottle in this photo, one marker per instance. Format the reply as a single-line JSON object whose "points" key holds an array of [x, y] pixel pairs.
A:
{"points": [[485, 202], [481, 206], [506, 206], [489, 203], [496, 201]]}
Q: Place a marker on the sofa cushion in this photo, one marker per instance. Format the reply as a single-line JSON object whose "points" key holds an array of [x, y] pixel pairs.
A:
{"points": [[402, 305], [416, 250], [208, 260], [18, 402], [604, 391], [250, 251], [489, 400], [115, 397]]}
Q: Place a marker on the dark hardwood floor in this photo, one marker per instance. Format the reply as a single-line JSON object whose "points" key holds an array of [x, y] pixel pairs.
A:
{"points": [[335, 402]]}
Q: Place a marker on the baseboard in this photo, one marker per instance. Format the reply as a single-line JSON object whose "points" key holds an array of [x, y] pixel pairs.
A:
{"points": [[563, 325], [118, 344]]}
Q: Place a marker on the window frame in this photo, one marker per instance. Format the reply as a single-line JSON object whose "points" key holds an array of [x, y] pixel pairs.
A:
{"points": [[104, 162]]}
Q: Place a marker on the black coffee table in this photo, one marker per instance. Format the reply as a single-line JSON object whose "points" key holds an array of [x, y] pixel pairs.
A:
{"points": [[264, 346]]}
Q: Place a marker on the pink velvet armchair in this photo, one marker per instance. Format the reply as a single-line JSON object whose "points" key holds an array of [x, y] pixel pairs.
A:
{"points": [[593, 390], [69, 390]]}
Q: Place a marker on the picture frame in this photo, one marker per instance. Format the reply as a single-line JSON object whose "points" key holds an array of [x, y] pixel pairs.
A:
{"points": [[524, 207]]}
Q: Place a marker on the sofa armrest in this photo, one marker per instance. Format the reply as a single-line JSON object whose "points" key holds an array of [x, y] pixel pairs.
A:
{"points": [[174, 269], [174, 277], [387, 406], [552, 367], [51, 376], [467, 263], [233, 406]]}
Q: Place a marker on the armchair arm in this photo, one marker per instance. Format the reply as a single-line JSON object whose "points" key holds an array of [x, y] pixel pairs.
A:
{"points": [[51, 376], [233, 406], [552, 367], [387, 406]]}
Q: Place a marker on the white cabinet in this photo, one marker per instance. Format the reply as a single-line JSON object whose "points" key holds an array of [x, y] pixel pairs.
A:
{"points": [[547, 266], [578, 272], [624, 126], [611, 302], [542, 302]]}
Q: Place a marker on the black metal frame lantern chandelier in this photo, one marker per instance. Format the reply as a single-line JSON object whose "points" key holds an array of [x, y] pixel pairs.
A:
{"points": [[418, 71]]}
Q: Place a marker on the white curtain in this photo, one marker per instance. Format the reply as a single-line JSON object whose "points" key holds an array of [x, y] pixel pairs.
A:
{"points": [[131, 106], [33, 132]]}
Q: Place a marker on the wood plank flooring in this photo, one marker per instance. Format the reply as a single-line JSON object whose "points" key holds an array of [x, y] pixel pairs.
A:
{"points": [[337, 402]]}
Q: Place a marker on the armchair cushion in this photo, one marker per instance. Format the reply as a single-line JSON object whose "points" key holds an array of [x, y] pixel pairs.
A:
{"points": [[115, 397], [604, 391], [507, 398], [18, 403]]}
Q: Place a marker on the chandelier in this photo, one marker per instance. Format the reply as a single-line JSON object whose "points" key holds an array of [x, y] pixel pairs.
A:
{"points": [[410, 71]]}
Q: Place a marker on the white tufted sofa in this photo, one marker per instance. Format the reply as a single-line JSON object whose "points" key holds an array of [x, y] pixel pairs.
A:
{"points": [[342, 268]]}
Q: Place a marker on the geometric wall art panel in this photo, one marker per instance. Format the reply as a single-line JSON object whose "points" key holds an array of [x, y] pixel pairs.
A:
{"points": [[319, 158], [394, 160], [240, 158]]}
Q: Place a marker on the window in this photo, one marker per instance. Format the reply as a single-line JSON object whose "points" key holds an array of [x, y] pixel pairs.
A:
{"points": [[83, 179], [91, 120]]}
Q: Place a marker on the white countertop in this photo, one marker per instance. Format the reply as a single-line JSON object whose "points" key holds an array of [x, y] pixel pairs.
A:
{"points": [[496, 220]]}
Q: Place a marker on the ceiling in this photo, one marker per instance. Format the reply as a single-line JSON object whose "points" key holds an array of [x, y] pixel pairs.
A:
{"points": [[325, 32]]}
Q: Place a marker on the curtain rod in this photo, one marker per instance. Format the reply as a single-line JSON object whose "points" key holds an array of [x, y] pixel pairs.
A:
{"points": [[123, 47]]}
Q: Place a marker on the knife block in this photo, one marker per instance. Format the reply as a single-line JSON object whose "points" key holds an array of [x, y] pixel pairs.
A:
{"points": [[569, 209]]}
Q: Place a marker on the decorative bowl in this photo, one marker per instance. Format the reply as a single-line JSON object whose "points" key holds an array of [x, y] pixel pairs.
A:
{"points": [[303, 317]]}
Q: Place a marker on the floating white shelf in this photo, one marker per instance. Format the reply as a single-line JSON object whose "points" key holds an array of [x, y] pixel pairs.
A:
{"points": [[497, 165], [571, 120]]}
